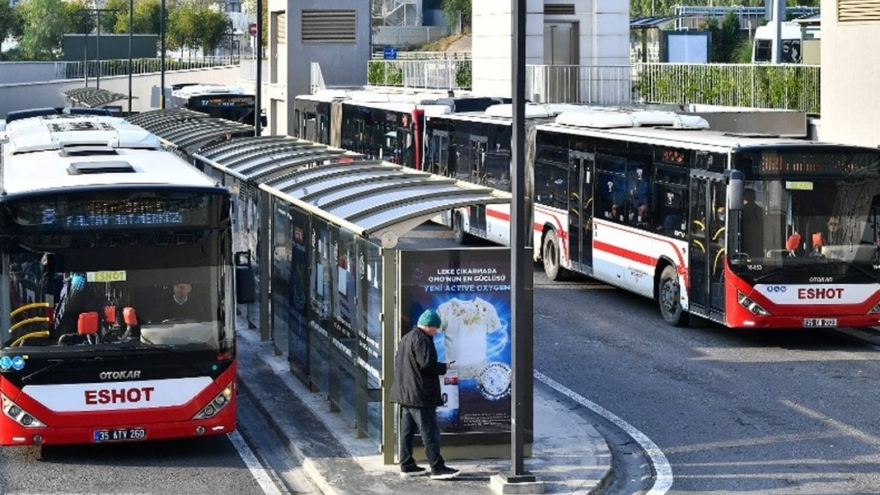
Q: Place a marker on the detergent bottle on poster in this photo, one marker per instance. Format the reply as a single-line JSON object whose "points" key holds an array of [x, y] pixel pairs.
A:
{"points": [[447, 414]]}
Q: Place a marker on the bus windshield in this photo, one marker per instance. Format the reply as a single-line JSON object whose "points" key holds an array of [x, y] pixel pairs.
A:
{"points": [[76, 281], [810, 225]]}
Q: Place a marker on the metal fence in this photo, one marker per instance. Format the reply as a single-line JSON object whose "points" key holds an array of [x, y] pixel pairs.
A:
{"points": [[423, 74], [586, 85], [778, 86], [107, 68]]}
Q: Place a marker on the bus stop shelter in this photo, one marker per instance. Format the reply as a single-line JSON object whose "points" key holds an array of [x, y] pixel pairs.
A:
{"points": [[324, 226], [92, 97]]}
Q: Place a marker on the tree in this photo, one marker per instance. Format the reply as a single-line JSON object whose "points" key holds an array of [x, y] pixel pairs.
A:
{"points": [[182, 26], [43, 27], [453, 8], [147, 16], [145, 19], [214, 27], [114, 14], [725, 38], [7, 20], [77, 17]]}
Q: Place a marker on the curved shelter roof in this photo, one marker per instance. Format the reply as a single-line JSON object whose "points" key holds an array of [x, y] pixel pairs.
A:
{"points": [[371, 198], [92, 97], [186, 129]]}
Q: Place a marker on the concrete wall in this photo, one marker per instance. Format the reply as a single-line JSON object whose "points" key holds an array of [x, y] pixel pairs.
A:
{"points": [[48, 94], [603, 38], [342, 64], [20, 72], [850, 80], [491, 44]]}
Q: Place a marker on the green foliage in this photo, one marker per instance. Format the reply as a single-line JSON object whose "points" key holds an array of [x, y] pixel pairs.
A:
{"points": [[182, 27], [43, 28], [764, 86], [384, 73], [214, 26], [463, 76], [77, 18], [114, 14], [147, 17], [725, 38], [7, 20], [452, 9]]}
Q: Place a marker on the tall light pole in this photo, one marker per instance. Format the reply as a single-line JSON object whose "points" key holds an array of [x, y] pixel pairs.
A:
{"points": [[258, 112], [130, 34], [162, 55]]}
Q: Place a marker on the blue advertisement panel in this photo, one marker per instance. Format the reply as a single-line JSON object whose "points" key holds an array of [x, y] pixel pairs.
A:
{"points": [[470, 289], [298, 291]]}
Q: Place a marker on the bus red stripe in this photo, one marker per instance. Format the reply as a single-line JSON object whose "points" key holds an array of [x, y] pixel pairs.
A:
{"points": [[624, 253]]}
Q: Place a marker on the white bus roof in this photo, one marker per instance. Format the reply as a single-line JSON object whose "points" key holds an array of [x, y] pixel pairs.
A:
{"points": [[51, 153], [207, 89], [608, 119], [703, 140]]}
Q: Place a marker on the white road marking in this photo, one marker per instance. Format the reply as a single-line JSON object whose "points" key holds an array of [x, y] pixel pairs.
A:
{"points": [[662, 469], [250, 460]]}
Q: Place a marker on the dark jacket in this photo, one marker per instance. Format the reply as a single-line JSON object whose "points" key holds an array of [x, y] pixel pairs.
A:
{"points": [[417, 372]]}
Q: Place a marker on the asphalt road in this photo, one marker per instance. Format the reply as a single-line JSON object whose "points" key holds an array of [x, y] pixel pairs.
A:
{"points": [[783, 412]]}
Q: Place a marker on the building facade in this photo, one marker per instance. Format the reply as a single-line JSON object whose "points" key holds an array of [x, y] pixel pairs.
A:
{"points": [[850, 72]]}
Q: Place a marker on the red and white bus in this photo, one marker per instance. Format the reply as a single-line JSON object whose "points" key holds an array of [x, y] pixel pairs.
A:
{"points": [[381, 125], [102, 234], [732, 228]]}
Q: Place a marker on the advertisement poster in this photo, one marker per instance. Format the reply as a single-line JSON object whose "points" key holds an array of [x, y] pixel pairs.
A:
{"points": [[298, 340], [470, 289]]}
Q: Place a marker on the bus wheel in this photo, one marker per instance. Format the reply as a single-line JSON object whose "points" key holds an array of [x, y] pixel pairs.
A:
{"points": [[669, 298], [550, 254], [458, 233]]}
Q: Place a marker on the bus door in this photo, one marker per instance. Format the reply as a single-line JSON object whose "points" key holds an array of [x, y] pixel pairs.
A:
{"points": [[478, 167], [708, 235], [580, 213], [437, 154]]}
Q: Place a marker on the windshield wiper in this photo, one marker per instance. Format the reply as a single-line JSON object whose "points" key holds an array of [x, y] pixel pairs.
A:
{"points": [[173, 353], [54, 363]]}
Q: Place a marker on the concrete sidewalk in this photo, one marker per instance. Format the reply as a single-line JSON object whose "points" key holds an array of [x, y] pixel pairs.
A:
{"points": [[569, 455]]}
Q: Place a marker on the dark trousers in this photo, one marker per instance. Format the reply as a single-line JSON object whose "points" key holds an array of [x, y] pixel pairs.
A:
{"points": [[424, 421]]}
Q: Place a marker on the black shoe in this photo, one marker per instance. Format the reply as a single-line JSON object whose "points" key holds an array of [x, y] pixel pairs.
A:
{"points": [[408, 471], [444, 473]]}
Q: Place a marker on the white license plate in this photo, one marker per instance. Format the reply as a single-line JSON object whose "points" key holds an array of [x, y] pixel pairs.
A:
{"points": [[820, 322], [120, 435]]}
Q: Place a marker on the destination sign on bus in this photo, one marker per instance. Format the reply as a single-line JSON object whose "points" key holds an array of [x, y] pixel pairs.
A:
{"points": [[115, 219], [819, 163], [225, 101]]}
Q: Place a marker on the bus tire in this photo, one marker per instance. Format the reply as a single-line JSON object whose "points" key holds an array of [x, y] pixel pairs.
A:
{"points": [[669, 298], [550, 256], [458, 233]]}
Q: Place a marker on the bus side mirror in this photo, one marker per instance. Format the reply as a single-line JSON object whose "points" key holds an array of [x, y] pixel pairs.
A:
{"points": [[245, 281], [735, 186]]}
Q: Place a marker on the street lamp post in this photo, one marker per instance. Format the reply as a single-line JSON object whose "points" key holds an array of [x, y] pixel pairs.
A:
{"points": [[162, 55], [130, 34]]}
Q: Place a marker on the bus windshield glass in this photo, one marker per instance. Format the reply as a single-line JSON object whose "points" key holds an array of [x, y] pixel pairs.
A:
{"points": [[807, 217], [120, 271]]}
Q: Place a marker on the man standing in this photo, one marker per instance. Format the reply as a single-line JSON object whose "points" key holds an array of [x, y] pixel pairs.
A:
{"points": [[416, 389]]}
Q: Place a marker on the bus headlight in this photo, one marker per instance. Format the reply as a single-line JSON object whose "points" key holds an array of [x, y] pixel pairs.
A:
{"points": [[750, 305], [875, 309], [217, 404], [19, 415]]}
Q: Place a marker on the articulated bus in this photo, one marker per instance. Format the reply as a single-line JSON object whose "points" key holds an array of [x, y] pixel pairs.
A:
{"points": [[385, 126], [475, 147], [101, 231], [732, 228]]}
